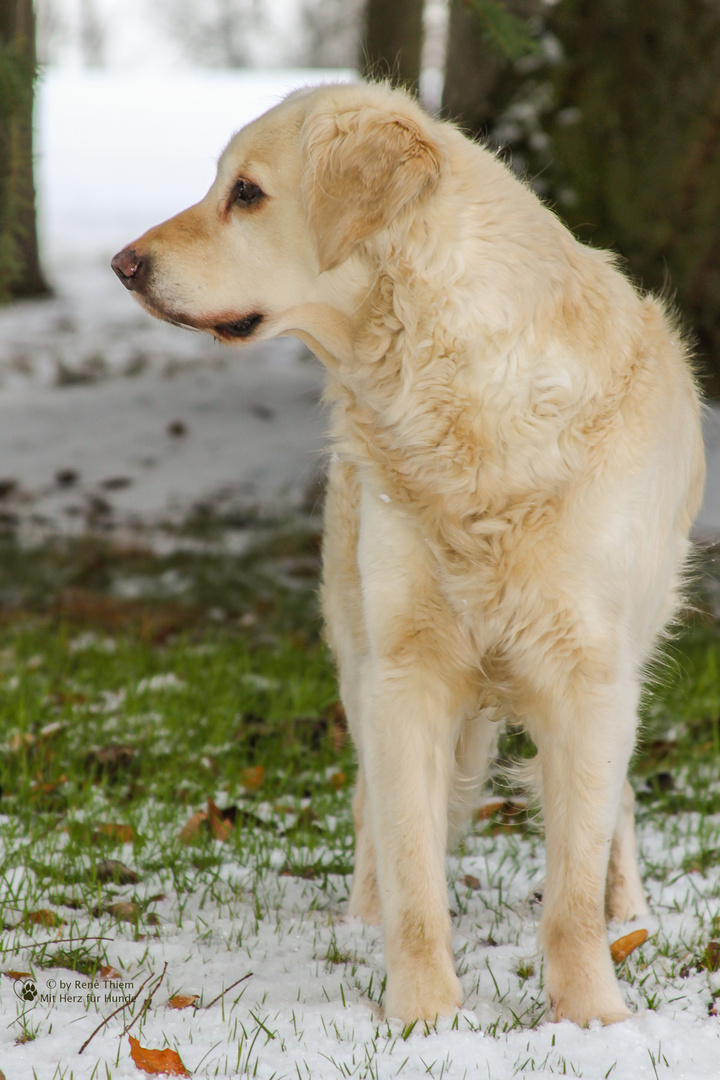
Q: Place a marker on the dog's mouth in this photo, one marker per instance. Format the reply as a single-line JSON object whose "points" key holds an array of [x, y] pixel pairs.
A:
{"points": [[238, 328], [223, 329]]}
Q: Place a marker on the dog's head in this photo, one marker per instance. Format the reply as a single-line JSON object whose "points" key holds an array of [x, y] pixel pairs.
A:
{"points": [[298, 192]]}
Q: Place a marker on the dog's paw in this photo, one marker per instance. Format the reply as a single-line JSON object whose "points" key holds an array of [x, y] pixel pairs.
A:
{"points": [[423, 994], [581, 1013], [587, 997], [581, 982]]}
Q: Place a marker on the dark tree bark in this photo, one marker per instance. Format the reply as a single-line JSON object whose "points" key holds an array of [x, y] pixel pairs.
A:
{"points": [[392, 41], [617, 125], [636, 140], [20, 272]]}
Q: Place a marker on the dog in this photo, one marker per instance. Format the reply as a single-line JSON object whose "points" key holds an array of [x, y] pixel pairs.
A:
{"points": [[516, 463]]}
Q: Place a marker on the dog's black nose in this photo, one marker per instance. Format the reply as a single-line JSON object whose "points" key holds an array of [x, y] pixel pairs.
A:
{"points": [[130, 267]]}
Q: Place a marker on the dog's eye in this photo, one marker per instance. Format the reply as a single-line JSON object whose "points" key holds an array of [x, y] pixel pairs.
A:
{"points": [[245, 193]]}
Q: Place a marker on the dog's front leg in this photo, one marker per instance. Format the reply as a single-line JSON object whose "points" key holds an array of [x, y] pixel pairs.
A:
{"points": [[410, 718], [409, 760], [584, 742]]}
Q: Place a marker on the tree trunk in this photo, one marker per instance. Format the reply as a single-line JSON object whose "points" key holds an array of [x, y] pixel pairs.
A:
{"points": [[636, 141], [480, 78], [20, 273], [392, 42]]}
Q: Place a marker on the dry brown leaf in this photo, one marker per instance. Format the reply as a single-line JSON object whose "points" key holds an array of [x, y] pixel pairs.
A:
{"points": [[153, 621], [119, 873], [711, 956], [156, 1062], [191, 829], [111, 830], [219, 827], [18, 974], [43, 917], [124, 910], [471, 881], [252, 777], [109, 972], [20, 740], [622, 948], [488, 809], [109, 761], [182, 1001], [337, 780], [40, 787], [337, 722]]}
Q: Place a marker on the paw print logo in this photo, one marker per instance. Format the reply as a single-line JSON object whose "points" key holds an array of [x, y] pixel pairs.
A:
{"points": [[26, 991]]}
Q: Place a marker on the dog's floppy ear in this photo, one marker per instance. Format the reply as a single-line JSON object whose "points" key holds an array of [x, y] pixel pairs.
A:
{"points": [[361, 166]]}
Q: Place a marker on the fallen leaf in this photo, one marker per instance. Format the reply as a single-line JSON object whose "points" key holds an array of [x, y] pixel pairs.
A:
{"points": [[107, 762], [40, 787], [191, 829], [156, 1062], [507, 808], [124, 910], [19, 740], [43, 917], [18, 974], [112, 870], [471, 881], [252, 777], [711, 956], [152, 620], [111, 830], [182, 1001], [622, 948], [335, 717], [109, 972], [219, 827], [337, 780]]}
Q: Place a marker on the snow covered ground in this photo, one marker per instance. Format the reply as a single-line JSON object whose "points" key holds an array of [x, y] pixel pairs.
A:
{"points": [[311, 1006]]}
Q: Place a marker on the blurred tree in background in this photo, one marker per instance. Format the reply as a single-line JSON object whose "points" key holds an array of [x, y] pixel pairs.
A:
{"points": [[635, 142], [20, 273], [392, 41], [612, 112]]}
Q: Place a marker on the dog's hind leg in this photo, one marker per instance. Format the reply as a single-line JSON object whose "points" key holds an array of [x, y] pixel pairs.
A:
{"points": [[345, 631], [624, 893], [364, 899], [475, 750], [585, 735]]}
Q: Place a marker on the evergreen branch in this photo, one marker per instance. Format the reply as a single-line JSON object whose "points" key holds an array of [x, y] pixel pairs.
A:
{"points": [[509, 34]]}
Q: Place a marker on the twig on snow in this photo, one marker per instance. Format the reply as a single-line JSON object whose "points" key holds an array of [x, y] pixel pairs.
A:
{"points": [[148, 999], [232, 985], [118, 1010]]}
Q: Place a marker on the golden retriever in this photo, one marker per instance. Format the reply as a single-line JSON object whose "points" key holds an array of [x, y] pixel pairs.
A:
{"points": [[516, 464]]}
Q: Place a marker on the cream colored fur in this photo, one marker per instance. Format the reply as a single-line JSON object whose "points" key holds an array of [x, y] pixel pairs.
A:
{"points": [[516, 464]]}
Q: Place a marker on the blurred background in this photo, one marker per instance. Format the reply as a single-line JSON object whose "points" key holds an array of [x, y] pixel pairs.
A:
{"points": [[112, 114]]}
